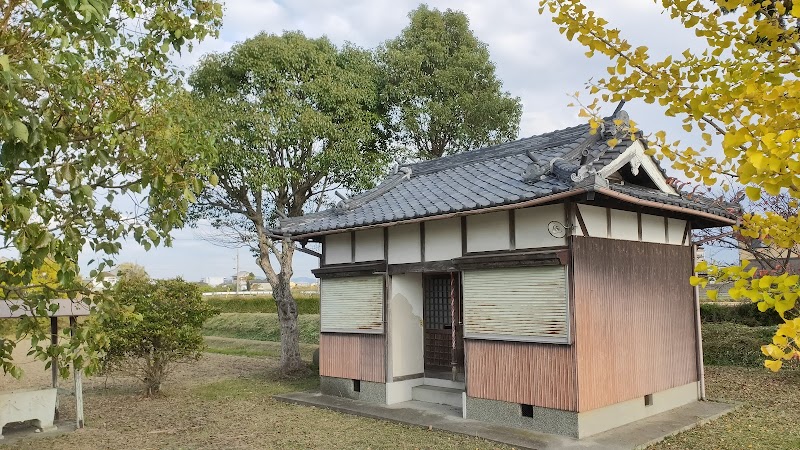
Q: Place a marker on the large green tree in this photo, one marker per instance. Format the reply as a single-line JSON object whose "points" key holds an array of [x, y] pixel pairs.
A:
{"points": [[293, 119], [90, 110], [740, 89], [446, 97]]}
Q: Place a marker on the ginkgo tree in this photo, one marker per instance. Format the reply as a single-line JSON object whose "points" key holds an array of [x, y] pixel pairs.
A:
{"points": [[741, 94]]}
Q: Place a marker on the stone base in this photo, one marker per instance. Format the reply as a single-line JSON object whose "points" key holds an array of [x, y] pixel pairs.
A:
{"points": [[343, 387], [580, 424], [544, 420]]}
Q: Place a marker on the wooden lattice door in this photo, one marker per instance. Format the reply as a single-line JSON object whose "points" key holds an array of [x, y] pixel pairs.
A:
{"points": [[440, 355]]}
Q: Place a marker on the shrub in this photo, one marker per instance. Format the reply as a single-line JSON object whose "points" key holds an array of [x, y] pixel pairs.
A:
{"points": [[743, 314], [164, 328], [731, 344], [305, 305]]}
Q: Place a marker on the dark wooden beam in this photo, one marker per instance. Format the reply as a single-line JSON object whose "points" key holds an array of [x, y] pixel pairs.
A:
{"points": [[463, 235], [512, 230], [666, 230], [350, 269], [608, 223], [422, 241], [352, 246], [639, 222], [422, 267], [581, 223], [518, 258]]}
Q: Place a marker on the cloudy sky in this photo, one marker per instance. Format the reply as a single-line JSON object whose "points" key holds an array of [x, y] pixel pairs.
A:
{"points": [[533, 61]]}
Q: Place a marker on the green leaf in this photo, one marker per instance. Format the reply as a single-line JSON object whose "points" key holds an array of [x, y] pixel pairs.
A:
{"points": [[19, 131], [4, 64]]}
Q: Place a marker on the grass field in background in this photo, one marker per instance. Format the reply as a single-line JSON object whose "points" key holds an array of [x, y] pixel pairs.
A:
{"points": [[261, 304], [260, 327], [251, 348]]}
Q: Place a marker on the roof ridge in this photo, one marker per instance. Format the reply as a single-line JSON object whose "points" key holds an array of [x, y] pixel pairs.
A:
{"points": [[505, 149]]}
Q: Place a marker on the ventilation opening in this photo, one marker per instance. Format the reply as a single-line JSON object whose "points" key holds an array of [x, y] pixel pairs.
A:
{"points": [[356, 385], [648, 400], [527, 410]]}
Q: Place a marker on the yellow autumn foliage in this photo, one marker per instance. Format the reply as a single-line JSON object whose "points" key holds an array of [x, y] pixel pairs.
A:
{"points": [[742, 92]]}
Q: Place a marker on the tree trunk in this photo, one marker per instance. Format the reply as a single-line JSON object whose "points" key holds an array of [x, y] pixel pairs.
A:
{"points": [[290, 332]]}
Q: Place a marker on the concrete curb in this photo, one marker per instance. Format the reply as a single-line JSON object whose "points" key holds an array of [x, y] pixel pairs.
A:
{"points": [[636, 435]]}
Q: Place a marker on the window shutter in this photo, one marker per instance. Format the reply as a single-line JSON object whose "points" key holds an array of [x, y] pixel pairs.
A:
{"points": [[517, 304], [352, 305]]}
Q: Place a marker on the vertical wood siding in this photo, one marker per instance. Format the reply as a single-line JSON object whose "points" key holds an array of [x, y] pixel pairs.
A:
{"points": [[634, 319], [354, 356], [521, 372]]}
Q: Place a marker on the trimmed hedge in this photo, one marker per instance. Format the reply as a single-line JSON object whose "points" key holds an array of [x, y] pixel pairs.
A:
{"points": [[305, 305], [260, 327], [743, 314], [731, 344]]}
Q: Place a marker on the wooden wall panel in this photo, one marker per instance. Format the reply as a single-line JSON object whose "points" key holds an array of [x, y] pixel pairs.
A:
{"points": [[354, 356], [634, 319], [520, 372]]}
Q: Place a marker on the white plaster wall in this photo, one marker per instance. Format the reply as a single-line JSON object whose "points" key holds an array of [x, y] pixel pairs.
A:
{"points": [[676, 229], [369, 245], [612, 416], [530, 226], [337, 248], [401, 391], [404, 244], [487, 232], [594, 217], [405, 324], [442, 239], [624, 225], [653, 229]]}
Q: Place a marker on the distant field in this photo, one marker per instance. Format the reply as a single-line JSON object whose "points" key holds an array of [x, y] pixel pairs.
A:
{"points": [[253, 349], [260, 327], [261, 304]]}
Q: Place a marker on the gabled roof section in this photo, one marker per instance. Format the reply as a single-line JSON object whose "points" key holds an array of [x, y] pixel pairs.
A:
{"points": [[542, 168]]}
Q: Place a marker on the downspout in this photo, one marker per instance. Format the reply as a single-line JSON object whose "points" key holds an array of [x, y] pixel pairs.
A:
{"points": [[698, 330]]}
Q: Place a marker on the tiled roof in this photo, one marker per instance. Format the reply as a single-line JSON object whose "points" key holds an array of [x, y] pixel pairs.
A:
{"points": [[477, 179]]}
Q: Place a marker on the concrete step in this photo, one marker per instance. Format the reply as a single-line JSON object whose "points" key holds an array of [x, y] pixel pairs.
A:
{"points": [[437, 394]]}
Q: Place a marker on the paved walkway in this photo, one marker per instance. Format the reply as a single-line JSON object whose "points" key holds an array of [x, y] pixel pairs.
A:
{"points": [[636, 435]]}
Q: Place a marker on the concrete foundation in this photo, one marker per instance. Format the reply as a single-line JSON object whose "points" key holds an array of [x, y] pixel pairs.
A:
{"points": [[344, 387], [580, 424]]}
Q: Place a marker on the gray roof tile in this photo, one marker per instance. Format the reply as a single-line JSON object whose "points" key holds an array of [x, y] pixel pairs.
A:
{"points": [[478, 179]]}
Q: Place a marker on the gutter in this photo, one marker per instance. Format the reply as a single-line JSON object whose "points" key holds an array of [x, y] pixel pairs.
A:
{"points": [[534, 202], [657, 205]]}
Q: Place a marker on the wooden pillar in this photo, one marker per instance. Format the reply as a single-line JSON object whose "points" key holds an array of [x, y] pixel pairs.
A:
{"points": [[54, 362], [77, 375]]}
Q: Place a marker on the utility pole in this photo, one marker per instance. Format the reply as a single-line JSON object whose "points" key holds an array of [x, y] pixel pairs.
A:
{"points": [[237, 272]]}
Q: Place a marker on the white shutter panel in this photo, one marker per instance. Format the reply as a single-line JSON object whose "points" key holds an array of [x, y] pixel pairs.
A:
{"points": [[517, 304], [352, 305]]}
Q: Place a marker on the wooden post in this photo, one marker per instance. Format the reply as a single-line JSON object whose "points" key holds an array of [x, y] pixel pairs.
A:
{"points": [[73, 325], [54, 362]]}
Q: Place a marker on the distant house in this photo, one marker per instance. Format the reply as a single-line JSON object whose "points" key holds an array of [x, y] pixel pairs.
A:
{"points": [[541, 283], [106, 279], [769, 259], [213, 281]]}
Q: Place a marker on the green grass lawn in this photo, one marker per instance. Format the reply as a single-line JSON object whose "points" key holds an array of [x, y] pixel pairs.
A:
{"points": [[766, 419]]}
